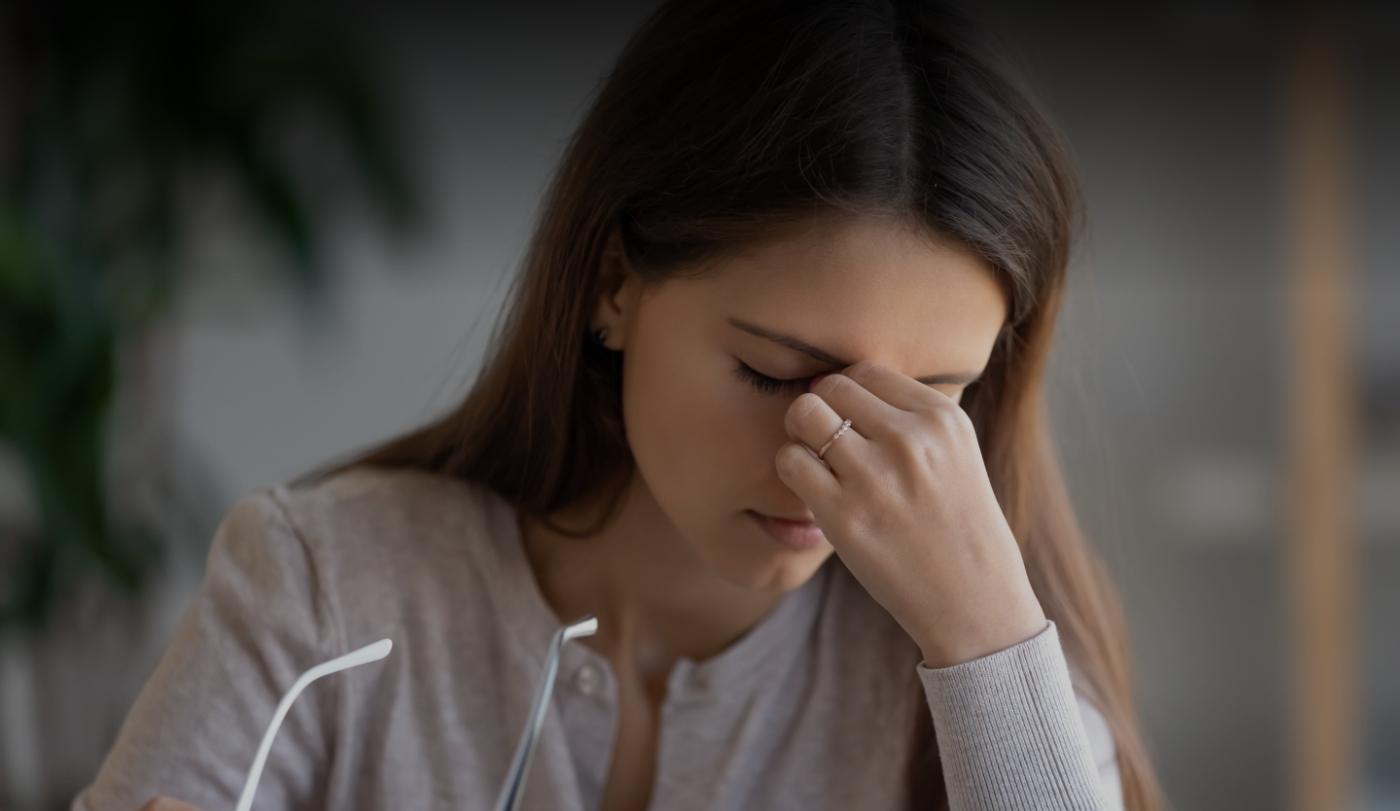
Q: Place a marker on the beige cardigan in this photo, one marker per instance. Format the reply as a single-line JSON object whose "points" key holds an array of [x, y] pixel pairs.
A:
{"points": [[811, 709]]}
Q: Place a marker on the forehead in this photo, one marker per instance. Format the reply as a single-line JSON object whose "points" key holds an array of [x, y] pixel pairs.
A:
{"points": [[868, 288]]}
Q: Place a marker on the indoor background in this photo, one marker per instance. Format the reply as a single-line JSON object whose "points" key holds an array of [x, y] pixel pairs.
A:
{"points": [[304, 224]]}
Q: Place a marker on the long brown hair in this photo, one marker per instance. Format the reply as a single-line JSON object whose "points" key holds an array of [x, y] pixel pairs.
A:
{"points": [[722, 121]]}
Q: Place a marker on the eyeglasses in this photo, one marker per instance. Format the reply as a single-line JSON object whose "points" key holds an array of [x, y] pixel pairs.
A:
{"points": [[372, 652], [514, 787]]}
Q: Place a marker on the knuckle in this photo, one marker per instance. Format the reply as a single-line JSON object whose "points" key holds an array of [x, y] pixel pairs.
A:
{"points": [[945, 415], [959, 418]]}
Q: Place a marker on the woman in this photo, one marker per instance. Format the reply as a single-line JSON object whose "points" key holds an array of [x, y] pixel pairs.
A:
{"points": [[802, 261]]}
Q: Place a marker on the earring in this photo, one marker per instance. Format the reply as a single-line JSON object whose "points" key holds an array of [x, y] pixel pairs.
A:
{"points": [[600, 335]]}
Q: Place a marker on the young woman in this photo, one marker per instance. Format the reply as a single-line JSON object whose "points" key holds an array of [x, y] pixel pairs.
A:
{"points": [[767, 401]]}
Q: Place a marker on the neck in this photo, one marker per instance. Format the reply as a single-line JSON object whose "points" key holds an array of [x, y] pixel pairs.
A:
{"points": [[655, 598]]}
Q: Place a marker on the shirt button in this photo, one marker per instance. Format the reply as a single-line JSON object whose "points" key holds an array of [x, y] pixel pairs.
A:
{"points": [[586, 679]]}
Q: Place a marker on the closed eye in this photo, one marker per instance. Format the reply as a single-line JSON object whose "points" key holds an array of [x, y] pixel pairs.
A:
{"points": [[774, 385], [769, 385]]}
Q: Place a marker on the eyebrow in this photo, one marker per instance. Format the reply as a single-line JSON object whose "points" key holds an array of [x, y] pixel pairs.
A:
{"points": [[830, 359]]}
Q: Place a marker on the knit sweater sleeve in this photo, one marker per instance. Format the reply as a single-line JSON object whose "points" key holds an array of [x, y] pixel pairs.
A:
{"points": [[258, 620], [1014, 734]]}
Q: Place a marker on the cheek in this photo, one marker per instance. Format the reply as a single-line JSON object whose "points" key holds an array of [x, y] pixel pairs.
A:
{"points": [[701, 432], [667, 422]]}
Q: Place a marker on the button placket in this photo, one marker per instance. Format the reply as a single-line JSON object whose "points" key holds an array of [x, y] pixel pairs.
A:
{"points": [[587, 679], [590, 718]]}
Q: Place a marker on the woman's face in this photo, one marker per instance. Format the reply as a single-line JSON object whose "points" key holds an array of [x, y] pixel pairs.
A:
{"points": [[704, 431]]}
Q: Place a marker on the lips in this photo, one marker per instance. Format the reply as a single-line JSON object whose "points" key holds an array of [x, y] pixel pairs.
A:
{"points": [[807, 519], [791, 534]]}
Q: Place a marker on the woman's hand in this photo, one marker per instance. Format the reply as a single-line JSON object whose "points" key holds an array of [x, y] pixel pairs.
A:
{"points": [[905, 499], [166, 804]]}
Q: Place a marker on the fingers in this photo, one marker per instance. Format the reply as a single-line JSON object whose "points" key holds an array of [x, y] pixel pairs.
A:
{"points": [[899, 390], [809, 477], [876, 399], [844, 395], [811, 421]]}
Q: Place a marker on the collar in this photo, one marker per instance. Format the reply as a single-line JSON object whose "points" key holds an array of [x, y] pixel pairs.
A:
{"points": [[769, 646]]}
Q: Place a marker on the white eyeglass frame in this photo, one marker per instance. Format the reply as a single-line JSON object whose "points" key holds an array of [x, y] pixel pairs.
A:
{"points": [[514, 786], [372, 652]]}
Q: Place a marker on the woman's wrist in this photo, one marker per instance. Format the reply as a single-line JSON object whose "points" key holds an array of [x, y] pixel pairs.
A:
{"points": [[1003, 631]]}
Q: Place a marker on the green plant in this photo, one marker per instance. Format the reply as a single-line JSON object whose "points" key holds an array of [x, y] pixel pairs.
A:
{"points": [[110, 111]]}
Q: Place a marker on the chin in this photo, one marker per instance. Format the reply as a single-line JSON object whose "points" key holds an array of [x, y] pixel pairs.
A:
{"points": [[773, 570]]}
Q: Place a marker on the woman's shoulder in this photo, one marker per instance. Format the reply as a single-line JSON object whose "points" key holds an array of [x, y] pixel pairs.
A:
{"points": [[371, 504], [375, 534]]}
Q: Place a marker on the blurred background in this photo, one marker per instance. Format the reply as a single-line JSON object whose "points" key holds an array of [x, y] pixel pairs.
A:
{"points": [[236, 241]]}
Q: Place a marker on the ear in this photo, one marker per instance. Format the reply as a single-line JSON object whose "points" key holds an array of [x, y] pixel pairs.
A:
{"points": [[618, 285]]}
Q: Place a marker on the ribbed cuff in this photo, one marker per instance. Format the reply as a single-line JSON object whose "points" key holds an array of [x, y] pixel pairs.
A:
{"points": [[1009, 731]]}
